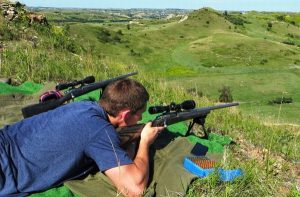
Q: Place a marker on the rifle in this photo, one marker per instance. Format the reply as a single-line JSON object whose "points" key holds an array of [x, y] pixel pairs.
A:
{"points": [[71, 94], [173, 114]]}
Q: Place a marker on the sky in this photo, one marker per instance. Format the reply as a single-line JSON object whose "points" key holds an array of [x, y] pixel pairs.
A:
{"points": [[231, 5]]}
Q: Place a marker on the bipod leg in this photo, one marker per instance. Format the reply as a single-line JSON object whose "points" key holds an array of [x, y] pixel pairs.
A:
{"points": [[189, 129], [205, 131], [201, 121]]}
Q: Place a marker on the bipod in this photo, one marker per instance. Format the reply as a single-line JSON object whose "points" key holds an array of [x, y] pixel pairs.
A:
{"points": [[199, 121]]}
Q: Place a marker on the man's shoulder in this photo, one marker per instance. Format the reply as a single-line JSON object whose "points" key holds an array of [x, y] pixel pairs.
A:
{"points": [[88, 112], [82, 106], [84, 103]]}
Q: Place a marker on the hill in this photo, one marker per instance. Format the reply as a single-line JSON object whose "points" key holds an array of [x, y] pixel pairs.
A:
{"points": [[244, 51]]}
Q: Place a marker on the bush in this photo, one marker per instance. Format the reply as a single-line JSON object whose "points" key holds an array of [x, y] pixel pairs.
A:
{"points": [[263, 61], [134, 53], [73, 47], [281, 100], [8, 31], [288, 42], [106, 36], [290, 35], [236, 20], [225, 94], [120, 32], [194, 92], [281, 17], [270, 25]]}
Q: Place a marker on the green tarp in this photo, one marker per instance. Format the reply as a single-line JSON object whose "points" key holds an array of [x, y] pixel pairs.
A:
{"points": [[25, 88]]}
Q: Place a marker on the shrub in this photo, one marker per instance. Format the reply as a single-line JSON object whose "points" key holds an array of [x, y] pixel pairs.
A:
{"points": [[116, 38], [73, 47], [104, 35], [134, 53], [281, 100], [289, 42], [290, 35], [280, 17], [194, 92], [120, 32], [8, 35], [236, 20], [270, 25], [225, 94], [263, 61]]}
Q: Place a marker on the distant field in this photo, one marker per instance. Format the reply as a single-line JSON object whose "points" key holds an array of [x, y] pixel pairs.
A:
{"points": [[256, 54], [254, 91]]}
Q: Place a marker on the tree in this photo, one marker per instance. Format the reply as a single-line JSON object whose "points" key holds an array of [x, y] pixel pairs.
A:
{"points": [[270, 25]]}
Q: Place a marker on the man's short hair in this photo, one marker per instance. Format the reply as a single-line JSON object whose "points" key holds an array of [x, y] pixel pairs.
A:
{"points": [[124, 94]]}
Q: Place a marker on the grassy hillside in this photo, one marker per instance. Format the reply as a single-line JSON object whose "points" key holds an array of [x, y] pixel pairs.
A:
{"points": [[184, 58], [247, 52]]}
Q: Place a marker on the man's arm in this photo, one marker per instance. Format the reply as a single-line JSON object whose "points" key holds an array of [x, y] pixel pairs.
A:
{"points": [[132, 179]]}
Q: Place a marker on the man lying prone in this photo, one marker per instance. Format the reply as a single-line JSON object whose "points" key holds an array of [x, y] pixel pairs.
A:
{"points": [[45, 150]]}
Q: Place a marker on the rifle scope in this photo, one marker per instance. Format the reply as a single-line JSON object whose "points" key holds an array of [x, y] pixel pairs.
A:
{"points": [[185, 105], [87, 80]]}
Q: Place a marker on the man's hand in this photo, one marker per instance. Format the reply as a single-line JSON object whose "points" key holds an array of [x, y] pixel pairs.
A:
{"points": [[149, 134], [132, 179]]}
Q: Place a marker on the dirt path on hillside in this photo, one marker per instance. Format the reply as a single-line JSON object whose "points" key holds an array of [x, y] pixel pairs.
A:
{"points": [[295, 128], [285, 124]]}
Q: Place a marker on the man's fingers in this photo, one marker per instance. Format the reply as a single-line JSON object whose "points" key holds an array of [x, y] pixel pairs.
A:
{"points": [[160, 129]]}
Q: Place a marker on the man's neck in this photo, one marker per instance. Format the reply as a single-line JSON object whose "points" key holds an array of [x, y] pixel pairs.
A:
{"points": [[113, 120]]}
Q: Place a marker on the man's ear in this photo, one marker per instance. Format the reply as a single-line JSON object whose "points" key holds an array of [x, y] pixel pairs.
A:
{"points": [[124, 115]]}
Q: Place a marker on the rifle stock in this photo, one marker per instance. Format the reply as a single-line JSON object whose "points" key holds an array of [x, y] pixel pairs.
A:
{"points": [[34, 109], [129, 134]]}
